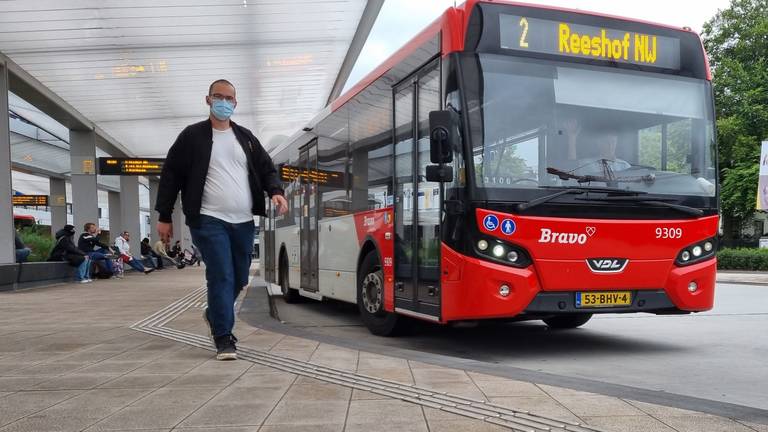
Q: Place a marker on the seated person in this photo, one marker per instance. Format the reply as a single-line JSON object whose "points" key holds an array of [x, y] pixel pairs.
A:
{"points": [[22, 251], [605, 145], [65, 250], [89, 243], [160, 250], [147, 253], [124, 248]]}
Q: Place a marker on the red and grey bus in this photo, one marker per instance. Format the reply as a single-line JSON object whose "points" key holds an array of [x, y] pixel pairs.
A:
{"points": [[511, 162]]}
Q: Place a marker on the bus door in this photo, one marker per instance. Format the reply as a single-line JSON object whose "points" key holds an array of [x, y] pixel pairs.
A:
{"points": [[308, 227], [267, 244], [417, 202]]}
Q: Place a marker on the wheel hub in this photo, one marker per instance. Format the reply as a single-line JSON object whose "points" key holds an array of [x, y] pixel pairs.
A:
{"points": [[372, 292]]}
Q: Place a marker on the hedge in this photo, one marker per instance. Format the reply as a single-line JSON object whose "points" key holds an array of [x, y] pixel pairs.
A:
{"points": [[38, 238], [743, 259]]}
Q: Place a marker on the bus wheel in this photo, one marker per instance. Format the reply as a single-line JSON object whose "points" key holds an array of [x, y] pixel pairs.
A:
{"points": [[370, 299], [290, 295], [568, 321]]}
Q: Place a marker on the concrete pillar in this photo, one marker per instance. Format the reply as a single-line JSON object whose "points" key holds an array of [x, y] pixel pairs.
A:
{"points": [[180, 229], [129, 211], [7, 234], [154, 185], [115, 222], [85, 196], [58, 204]]}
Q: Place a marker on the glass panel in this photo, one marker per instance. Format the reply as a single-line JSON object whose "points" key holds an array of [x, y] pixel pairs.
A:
{"points": [[404, 211], [543, 123], [429, 192]]}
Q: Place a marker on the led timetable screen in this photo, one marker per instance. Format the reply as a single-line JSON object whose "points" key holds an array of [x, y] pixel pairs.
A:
{"points": [[30, 200], [130, 166], [588, 42]]}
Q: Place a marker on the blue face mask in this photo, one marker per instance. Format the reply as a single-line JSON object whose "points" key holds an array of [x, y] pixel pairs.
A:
{"points": [[221, 109]]}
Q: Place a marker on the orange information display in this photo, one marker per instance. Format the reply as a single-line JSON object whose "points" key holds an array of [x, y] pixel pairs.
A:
{"points": [[30, 200], [130, 166]]}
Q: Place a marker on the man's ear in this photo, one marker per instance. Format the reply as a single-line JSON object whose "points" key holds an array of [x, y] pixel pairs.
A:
{"points": [[207, 100]]}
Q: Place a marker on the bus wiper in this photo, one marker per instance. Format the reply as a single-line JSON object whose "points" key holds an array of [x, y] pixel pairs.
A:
{"points": [[651, 200], [575, 191], [533, 203], [608, 178]]}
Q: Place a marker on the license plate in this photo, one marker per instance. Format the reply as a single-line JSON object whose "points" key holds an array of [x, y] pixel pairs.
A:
{"points": [[598, 299]]}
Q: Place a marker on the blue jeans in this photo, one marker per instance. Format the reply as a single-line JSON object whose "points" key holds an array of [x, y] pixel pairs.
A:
{"points": [[137, 265], [99, 256], [22, 255], [226, 250], [83, 269]]}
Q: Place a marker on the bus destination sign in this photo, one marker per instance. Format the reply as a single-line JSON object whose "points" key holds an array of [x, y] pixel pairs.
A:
{"points": [[130, 166], [588, 42], [30, 200]]}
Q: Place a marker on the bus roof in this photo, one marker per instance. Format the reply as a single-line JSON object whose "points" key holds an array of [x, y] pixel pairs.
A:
{"points": [[455, 41]]}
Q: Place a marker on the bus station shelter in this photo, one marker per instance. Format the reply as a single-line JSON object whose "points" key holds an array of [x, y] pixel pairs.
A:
{"points": [[87, 80]]}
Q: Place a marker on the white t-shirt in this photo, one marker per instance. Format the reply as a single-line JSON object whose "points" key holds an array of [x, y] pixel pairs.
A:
{"points": [[227, 194]]}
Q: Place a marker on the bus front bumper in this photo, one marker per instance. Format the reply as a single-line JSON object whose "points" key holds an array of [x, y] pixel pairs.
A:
{"points": [[471, 290]]}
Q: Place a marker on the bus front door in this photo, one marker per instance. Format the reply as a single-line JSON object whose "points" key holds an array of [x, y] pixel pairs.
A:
{"points": [[308, 228], [417, 202]]}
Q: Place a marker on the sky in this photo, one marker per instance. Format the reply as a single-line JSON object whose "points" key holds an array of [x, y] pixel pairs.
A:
{"points": [[400, 20]]}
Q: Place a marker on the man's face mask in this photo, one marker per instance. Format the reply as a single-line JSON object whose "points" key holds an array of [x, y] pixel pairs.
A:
{"points": [[222, 109]]}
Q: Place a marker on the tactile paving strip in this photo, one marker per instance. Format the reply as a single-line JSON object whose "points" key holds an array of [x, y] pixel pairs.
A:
{"points": [[519, 421]]}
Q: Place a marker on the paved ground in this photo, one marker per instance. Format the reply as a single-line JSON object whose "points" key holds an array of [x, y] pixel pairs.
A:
{"points": [[742, 277], [69, 361], [639, 356]]}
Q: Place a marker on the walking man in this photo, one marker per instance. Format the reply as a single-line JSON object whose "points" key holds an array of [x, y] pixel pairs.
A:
{"points": [[222, 172]]}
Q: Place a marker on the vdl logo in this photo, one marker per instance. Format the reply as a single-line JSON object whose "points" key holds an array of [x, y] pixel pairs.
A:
{"points": [[607, 265]]}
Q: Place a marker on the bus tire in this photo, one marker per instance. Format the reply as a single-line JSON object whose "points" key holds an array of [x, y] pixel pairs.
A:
{"points": [[370, 299], [567, 321], [290, 295]]}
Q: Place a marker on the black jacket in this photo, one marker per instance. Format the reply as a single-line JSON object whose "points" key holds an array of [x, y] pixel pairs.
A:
{"points": [[87, 243], [65, 249], [186, 169]]}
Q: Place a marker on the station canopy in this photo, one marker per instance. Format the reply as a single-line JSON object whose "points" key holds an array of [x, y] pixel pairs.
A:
{"points": [[140, 70]]}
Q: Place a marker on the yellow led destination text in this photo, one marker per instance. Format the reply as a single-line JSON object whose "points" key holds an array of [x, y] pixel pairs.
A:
{"points": [[635, 47]]}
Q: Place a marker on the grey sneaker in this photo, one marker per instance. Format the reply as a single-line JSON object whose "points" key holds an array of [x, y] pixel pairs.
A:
{"points": [[225, 348]]}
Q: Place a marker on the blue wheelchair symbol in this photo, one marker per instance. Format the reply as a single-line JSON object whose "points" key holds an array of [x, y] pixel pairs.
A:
{"points": [[508, 226], [491, 222]]}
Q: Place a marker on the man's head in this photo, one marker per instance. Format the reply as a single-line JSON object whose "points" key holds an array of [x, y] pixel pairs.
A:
{"points": [[145, 240], [126, 235], [606, 145], [90, 228], [221, 98]]}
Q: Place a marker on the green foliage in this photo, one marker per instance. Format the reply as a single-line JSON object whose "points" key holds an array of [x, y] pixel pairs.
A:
{"points": [[736, 40], [38, 238], [743, 259], [739, 189]]}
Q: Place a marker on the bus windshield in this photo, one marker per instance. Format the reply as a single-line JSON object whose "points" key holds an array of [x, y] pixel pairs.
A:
{"points": [[537, 123]]}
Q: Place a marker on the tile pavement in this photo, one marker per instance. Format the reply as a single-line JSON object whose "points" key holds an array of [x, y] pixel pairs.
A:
{"points": [[69, 362]]}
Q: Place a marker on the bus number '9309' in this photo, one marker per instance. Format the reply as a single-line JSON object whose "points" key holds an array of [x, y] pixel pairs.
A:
{"points": [[669, 233]]}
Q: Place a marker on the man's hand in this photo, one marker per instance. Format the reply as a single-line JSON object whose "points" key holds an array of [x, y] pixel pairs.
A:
{"points": [[165, 230], [280, 204]]}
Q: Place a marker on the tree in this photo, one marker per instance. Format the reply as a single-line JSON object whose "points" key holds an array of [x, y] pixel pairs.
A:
{"points": [[736, 40]]}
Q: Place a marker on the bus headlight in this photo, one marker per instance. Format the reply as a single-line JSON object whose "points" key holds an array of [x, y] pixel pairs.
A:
{"points": [[502, 252], [513, 256], [696, 252]]}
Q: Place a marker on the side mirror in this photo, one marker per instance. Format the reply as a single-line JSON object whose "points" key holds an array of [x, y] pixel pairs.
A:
{"points": [[439, 173], [443, 135]]}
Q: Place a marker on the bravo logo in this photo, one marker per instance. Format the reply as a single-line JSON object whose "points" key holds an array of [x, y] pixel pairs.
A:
{"points": [[549, 236]]}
